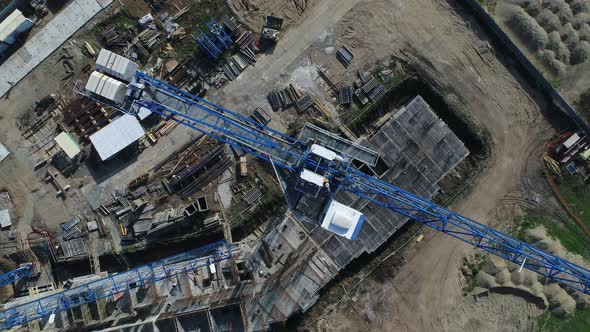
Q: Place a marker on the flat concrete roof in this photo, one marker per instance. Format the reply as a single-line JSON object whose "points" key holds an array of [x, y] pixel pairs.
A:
{"points": [[5, 219], [116, 136], [68, 144], [3, 152], [52, 36]]}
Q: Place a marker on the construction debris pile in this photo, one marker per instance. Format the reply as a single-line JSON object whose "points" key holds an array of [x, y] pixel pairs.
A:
{"points": [[368, 87], [84, 116], [71, 239], [145, 37], [140, 206]]}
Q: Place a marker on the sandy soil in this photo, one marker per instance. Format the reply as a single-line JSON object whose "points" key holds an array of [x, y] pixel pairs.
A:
{"points": [[253, 12], [426, 294], [36, 201], [575, 80]]}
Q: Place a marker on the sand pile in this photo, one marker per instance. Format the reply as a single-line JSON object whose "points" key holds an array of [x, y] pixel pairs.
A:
{"points": [[500, 276]]}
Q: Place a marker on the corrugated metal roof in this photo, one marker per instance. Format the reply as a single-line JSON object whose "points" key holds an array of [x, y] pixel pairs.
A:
{"points": [[106, 87], [116, 136], [68, 144], [115, 65]]}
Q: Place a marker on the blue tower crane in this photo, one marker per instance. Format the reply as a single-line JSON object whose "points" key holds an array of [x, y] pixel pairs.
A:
{"points": [[114, 284], [16, 275], [294, 155]]}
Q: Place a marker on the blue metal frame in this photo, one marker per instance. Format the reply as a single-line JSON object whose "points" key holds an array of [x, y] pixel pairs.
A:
{"points": [[207, 44], [467, 230], [115, 284], [407, 204], [208, 40], [16, 275], [222, 37], [224, 125]]}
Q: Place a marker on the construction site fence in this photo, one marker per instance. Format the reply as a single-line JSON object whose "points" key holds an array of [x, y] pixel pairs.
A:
{"points": [[528, 69]]}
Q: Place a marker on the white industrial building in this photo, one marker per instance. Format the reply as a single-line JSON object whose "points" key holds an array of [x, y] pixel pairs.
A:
{"points": [[106, 87], [343, 220], [115, 65], [118, 135], [13, 26]]}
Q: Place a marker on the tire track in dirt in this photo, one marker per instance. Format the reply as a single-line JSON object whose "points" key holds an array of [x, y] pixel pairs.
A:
{"points": [[441, 42]]}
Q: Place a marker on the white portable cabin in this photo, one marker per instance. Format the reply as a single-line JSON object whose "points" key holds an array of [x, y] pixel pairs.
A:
{"points": [[115, 65], [106, 87], [343, 220]]}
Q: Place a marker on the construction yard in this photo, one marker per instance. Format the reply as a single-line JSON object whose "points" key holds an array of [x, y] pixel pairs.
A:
{"points": [[85, 200]]}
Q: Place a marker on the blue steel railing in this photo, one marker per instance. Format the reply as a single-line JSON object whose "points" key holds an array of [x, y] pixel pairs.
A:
{"points": [[467, 230], [16, 275], [115, 284]]}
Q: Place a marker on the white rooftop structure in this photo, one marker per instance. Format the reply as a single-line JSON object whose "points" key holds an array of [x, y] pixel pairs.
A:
{"points": [[3, 152], [116, 136], [115, 65], [323, 152], [5, 219], [67, 144], [106, 87], [15, 24], [312, 177], [343, 220], [571, 141], [143, 113]]}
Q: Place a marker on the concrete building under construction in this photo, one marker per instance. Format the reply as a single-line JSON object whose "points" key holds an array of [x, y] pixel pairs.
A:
{"points": [[278, 271]]}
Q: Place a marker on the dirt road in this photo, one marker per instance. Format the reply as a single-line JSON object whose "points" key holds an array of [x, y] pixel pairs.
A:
{"points": [[427, 293], [450, 48], [253, 84]]}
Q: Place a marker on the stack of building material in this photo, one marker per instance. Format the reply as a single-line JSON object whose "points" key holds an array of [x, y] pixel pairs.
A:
{"points": [[115, 37], [275, 100], [73, 248], [368, 86], [303, 103], [84, 117], [194, 167], [259, 115], [377, 93], [344, 56], [252, 196], [345, 95], [149, 38], [246, 40], [234, 66], [282, 99], [230, 25]]}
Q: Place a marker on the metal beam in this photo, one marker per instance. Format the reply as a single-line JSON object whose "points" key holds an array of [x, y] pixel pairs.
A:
{"points": [[467, 230], [16, 275], [115, 284]]}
